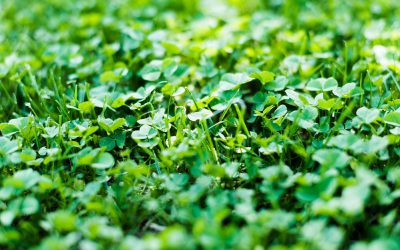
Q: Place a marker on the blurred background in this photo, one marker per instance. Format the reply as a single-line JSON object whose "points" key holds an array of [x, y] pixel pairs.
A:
{"points": [[78, 41]]}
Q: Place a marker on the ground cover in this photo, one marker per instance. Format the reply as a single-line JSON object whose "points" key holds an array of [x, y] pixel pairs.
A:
{"points": [[199, 124]]}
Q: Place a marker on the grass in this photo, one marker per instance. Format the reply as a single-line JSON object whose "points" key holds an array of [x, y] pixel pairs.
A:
{"points": [[153, 124]]}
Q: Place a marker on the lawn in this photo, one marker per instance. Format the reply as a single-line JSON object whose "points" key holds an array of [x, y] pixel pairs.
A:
{"points": [[199, 124]]}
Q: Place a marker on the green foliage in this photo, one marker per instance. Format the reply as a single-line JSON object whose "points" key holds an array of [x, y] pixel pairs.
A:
{"points": [[177, 124]]}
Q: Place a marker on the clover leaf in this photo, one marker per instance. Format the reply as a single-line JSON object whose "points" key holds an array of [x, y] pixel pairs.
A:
{"points": [[322, 84], [200, 115], [331, 158]]}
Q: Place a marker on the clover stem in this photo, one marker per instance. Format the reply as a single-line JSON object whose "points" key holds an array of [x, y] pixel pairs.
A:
{"points": [[205, 129]]}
